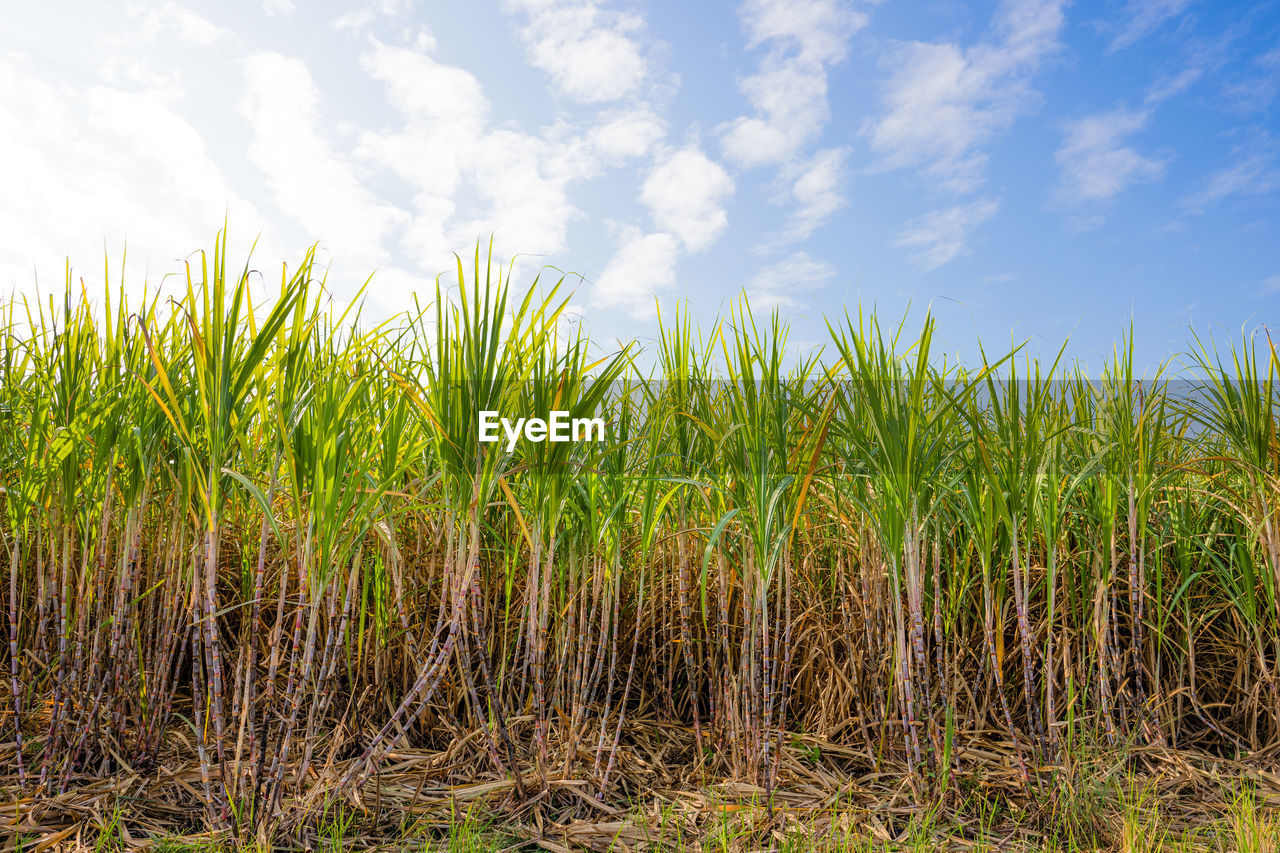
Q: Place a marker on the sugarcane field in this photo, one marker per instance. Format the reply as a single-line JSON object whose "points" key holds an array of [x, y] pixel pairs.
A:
{"points": [[640, 426], [267, 587]]}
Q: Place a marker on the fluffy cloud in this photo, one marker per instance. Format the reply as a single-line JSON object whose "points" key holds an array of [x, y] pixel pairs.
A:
{"points": [[471, 180], [1096, 164], [776, 285], [942, 235], [444, 110], [789, 92], [792, 102], [310, 181], [643, 268], [789, 95], [627, 134], [942, 102], [684, 192], [590, 53], [524, 183], [164, 19], [84, 166], [817, 30], [815, 192]]}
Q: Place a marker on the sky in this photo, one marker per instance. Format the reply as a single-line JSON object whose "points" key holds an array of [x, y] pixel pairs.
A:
{"points": [[1027, 170]]}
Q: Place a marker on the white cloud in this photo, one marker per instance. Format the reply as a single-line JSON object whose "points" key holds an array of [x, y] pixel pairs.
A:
{"points": [[445, 112], [628, 134], [943, 102], [790, 98], [159, 139], [941, 236], [355, 19], [1094, 161], [445, 116], [789, 92], [525, 183], [1257, 88], [470, 180], [792, 104], [152, 21], [309, 180], [589, 52], [643, 268], [1269, 285], [1141, 18], [777, 284], [362, 13], [684, 192], [277, 7], [126, 57], [88, 167], [426, 90], [816, 193], [817, 30], [1168, 87], [1255, 170]]}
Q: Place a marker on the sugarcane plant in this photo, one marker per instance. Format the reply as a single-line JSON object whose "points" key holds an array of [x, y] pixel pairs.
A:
{"points": [[253, 532]]}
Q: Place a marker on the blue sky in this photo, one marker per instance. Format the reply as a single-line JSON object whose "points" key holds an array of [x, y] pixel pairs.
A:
{"points": [[1030, 169]]}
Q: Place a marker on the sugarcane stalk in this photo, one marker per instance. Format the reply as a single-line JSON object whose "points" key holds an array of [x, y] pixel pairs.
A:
{"points": [[15, 692]]}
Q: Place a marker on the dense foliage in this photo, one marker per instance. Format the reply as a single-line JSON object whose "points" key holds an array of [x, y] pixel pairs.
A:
{"points": [[272, 539]]}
